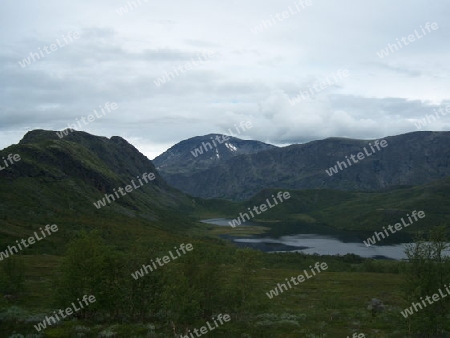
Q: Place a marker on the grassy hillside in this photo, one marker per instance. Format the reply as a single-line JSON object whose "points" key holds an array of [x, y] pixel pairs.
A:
{"points": [[346, 210]]}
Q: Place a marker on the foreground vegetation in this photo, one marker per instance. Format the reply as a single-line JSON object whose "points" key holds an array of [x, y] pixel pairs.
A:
{"points": [[214, 278], [187, 295]]}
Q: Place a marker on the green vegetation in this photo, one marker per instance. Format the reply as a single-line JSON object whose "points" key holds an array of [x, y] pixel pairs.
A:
{"points": [[95, 252], [214, 278], [345, 210], [427, 275]]}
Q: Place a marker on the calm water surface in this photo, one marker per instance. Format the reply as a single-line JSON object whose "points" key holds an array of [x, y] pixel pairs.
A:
{"points": [[315, 240]]}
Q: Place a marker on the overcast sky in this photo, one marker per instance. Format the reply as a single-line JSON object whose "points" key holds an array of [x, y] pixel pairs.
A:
{"points": [[251, 77]]}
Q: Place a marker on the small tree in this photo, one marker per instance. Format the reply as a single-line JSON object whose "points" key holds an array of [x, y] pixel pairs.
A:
{"points": [[142, 296], [180, 300], [90, 267], [244, 283], [426, 272]]}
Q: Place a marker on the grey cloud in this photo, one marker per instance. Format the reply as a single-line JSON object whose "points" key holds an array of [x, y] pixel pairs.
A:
{"points": [[250, 78]]}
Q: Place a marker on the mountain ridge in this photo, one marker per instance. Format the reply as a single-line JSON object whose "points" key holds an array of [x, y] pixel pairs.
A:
{"points": [[202, 152], [81, 168], [302, 166]]}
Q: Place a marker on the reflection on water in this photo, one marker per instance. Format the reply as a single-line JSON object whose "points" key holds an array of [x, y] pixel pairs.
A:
{"points": [[336, 242]]}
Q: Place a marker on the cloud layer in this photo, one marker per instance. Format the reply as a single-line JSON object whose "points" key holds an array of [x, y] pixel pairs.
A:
{"points": [[252, 77]]}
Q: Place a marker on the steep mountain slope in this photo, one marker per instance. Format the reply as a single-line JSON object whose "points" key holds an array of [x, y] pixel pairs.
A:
{"points": [[58, 181], [202, 152], [409, 159]]}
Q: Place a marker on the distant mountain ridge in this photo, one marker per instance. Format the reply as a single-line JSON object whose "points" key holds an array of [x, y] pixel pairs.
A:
{"points": [[409, 159], [202, 152]]}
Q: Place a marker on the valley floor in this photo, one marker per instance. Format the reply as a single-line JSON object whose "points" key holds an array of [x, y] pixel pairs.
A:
{"points": [[331, 304]]}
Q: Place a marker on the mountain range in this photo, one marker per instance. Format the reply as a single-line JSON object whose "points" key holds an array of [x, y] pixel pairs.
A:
{"points": [[59, 180], [407, 160]]}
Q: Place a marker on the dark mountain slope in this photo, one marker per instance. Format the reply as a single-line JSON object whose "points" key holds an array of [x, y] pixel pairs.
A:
{"points": [[409, 159], [183, 158], [58, 180]]}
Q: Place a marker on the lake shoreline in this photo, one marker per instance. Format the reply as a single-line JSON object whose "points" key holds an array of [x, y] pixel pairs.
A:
{"points": [[328, 241]]}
